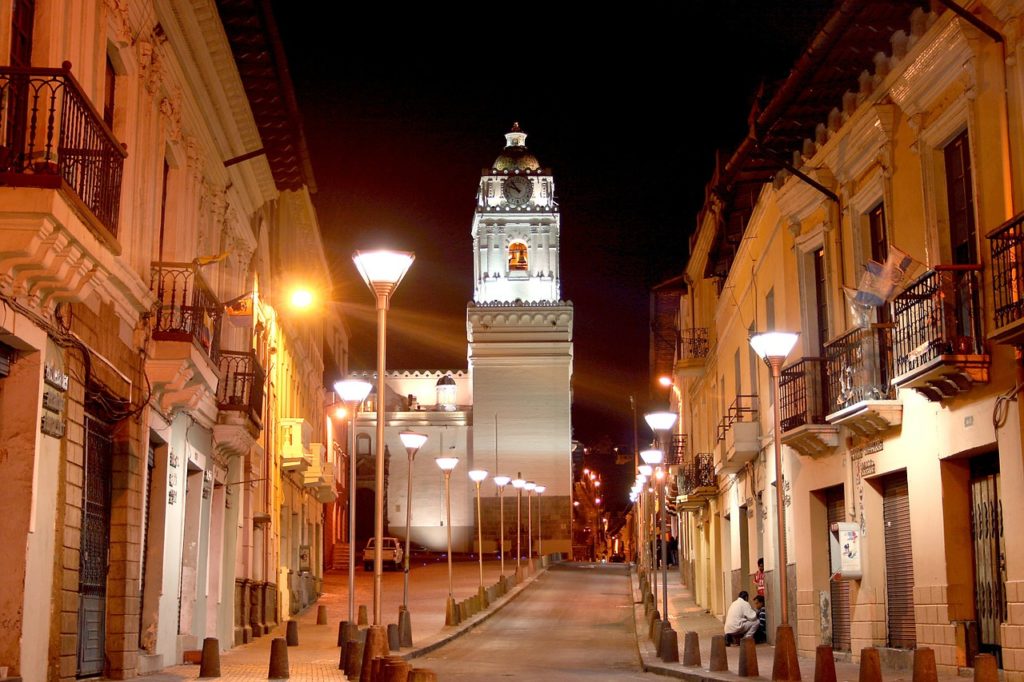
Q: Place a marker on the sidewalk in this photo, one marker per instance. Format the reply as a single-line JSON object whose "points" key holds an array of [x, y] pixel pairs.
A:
{"points": [[315, 659], [685, 615]]}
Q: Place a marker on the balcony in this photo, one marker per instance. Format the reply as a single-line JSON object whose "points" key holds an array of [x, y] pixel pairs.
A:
{"points": [[314, 476], [677, 450], [857, 370], [739, 435], [937, 339], [187, 310], [241, 385], [296, 448], [1007, 244], [51, 137], [802, 409], [692, 352], [698, 482]]}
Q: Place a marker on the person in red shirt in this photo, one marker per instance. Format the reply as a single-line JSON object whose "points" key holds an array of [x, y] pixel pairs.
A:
{"points": [[759, 578]]}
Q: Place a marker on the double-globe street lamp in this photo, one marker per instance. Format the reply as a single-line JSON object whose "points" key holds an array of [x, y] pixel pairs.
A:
{"points": [[412, 441], [447, 464], [478, 476], [382, 271], [352, 392], [773, 348]]}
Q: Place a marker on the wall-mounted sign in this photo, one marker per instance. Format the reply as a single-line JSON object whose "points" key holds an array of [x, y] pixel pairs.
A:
{"points": [[52, 425], [844, 541], [304, 564], [867, 467], [55, 377]]}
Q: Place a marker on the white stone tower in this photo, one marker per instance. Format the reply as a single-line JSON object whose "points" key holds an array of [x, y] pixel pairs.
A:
{"points": [[520, 342]]}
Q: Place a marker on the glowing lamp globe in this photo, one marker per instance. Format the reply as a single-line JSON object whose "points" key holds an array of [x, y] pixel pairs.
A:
{"points": [[661, 421], [412, 440], [502, 481], [773, 344], [477, 475], [353, 390], [651, 456], [383, 268], [447, 463]]}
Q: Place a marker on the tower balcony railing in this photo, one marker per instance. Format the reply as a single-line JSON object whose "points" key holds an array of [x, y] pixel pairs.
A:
{"points": [[241, 385], [938, 348], [1007, 247], [187, 309], [858, 368], [51, 136], [802, 408]]}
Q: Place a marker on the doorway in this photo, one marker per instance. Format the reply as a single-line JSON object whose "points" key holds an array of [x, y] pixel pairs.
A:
{"points": [[92, 567], [899, 564], [989, 553], [839, 590]]}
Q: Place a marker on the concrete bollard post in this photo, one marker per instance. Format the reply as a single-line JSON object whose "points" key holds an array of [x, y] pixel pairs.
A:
{"points": [[375, 647], [321, 614], [824, 664], [748, 658], [422, 675], [395, 669], [986, 668], [354, 655], [291, 634], [668, 648], [341, 632], [362, 618], [924, 665], [870, 665], [691, 649], [481, 596], [394, 638], [652, 621], [656, 627], [278, 659], [378, 666], [719, 662], [404, 627], [451, 612], [209, 664], [785, 667]]}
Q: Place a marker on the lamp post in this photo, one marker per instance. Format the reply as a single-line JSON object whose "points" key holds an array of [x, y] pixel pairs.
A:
{"points": [[501, 482], [529, 487], [518, 484], [540, 519], [646, 474], [382, 271], [773, 347], [661, 423], [412, 441], [447, 464], [353, 392], [478, 476]]}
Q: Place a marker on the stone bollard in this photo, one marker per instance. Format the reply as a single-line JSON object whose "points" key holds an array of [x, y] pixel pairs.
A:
{"points": [[321, 614], [870, 665], [651, 617], [824, 664], [785, 667], [341, 632], [481, 597], [375, 647], [291, 634], [209, 664], [924, 665], [395, 669], [719, 662], [451, 612], [986, 669], [422, 675], [404, 627], [691, 649], [654, 622], [278, 659], [463, 610], [394, 638], [378, 666], [748, 658], [363, 619], [668, 649], [354, 655]]}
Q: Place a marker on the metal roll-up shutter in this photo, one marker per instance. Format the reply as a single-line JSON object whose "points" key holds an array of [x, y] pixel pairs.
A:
{"points": [[836, 509], [899, 564]]}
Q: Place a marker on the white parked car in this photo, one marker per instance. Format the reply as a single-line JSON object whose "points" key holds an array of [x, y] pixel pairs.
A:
{"points": [[391, 554]]}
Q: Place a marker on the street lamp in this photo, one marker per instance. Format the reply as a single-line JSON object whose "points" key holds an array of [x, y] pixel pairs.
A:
{"points": [[412, 441], [447, 464], [501, 482], [382, 271], [773, 347], [529, 486], [518, 484], [352, 392], [540, 519], [478, 476]]}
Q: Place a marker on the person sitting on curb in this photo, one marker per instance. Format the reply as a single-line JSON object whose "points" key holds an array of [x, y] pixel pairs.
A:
{"points": [[741, 620], [761, 635]]}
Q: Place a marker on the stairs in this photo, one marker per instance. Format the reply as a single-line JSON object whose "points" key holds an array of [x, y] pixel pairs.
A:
{"points": [[341, 550]]}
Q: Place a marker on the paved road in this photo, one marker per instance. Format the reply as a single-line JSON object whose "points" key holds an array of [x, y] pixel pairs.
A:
{"points": [[574, 623]]}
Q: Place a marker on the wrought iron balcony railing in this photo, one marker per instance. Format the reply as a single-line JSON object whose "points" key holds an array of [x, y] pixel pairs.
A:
{"points": [[802, 394], [241, 384], [187, 309], [677, 450], [743, 409], [693, 343], [939, 314], [699, 472], [858, 367], [50, 133], [1007, 243]]}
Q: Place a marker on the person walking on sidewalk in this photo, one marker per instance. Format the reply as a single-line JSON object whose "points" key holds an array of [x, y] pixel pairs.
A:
{"points": [[741, 620]]}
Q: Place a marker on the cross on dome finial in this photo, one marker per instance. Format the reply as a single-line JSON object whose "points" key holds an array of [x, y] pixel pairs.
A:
{"points": [[515, 137]]}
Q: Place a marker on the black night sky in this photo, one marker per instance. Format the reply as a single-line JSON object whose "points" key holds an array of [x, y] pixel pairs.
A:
{"points": [[403, 108]]}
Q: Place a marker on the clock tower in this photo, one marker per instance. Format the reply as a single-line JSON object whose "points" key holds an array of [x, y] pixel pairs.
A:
{"points": [[520, 343]]}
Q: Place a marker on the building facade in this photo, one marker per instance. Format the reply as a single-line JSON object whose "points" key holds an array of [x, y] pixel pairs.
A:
{"points": [[153, 375], [875, 209]]}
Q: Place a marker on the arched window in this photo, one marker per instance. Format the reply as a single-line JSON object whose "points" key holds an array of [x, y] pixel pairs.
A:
{"points": [[517, 256]]}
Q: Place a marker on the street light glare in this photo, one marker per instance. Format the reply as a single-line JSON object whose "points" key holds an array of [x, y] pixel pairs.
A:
{"points": [[661, 421], [502, 481], [383, 267], [301, 299], [353, 390], [446, 463], [412, 440], [645, 470], [518, 483], [477, 475], [652, 456], [529, 485], [773, 344], [540, 490], [665, 381]]}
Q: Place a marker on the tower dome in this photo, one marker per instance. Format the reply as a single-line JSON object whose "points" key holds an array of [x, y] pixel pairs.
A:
{"points": [[447, 392], [515, 156]]}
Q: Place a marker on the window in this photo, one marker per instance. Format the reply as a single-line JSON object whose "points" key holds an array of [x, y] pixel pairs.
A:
{"points": [[960, 201], [877, 235], [769, 310], [821, 298], [109, 81], [517, 256]]}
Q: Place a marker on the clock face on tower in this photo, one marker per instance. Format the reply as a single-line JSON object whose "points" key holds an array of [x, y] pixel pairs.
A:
{"points": [[517, 190]]}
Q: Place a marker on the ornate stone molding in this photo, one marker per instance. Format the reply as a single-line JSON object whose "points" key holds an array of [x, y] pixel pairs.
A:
{"points": [[232, 440]]}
